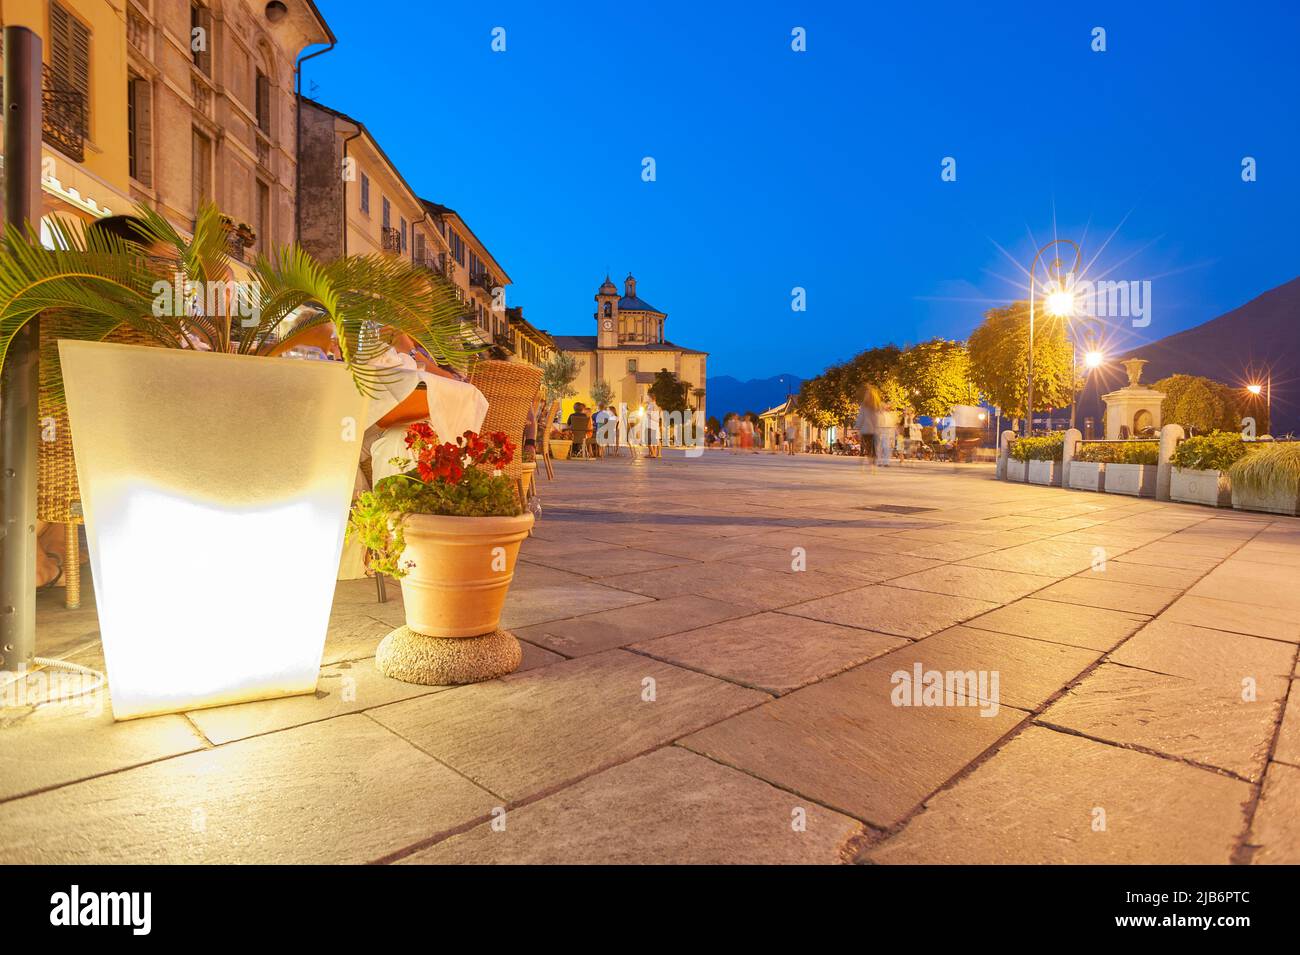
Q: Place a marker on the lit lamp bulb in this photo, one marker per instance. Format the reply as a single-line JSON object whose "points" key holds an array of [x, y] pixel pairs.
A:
{"points": [[1093, 359], [1060, 302], [1254, 389]]}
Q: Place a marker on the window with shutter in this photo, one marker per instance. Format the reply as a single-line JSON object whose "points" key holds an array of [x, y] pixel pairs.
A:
{"points": [[365, 193], [201, 37], [263, 102], [69, 51], [139, 104], [201, 161]]}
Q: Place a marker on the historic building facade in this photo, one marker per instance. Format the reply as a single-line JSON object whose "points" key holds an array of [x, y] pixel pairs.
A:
{"points": [[170, 103], [629, 347]]}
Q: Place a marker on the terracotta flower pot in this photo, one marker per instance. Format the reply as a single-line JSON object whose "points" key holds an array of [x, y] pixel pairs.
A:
{"points": [[460, 572]]}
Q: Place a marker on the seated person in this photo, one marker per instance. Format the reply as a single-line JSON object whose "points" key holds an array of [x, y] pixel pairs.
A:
{"points": [[579, 425]]}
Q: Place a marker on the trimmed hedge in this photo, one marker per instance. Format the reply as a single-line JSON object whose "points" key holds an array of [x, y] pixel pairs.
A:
{"points": [[1217, 451], [1049, 447], [1123, 452]]}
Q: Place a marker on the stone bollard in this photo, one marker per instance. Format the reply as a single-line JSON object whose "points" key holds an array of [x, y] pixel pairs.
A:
{"points": [[1004, 446], [1170, 435], [1072, 438]]}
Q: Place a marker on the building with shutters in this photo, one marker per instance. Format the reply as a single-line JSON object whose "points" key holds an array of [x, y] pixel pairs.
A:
{"points": [[170, 102]]}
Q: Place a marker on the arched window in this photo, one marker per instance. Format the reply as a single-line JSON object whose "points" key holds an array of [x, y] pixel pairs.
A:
{"points": [[608, 310]]}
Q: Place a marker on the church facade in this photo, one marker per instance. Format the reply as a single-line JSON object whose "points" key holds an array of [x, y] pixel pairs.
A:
{"points": [[629, 347]]}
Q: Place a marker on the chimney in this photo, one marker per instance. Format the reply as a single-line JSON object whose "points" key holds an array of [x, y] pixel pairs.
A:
{"points": [[629, 286]]}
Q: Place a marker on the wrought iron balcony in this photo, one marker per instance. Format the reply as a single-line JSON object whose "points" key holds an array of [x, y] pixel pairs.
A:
{"points": [[392, 239], [483, 280], [63, 115], [504, 340]]}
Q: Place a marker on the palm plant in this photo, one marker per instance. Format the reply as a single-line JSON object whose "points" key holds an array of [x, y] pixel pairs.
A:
{"points": [[93, 284]]}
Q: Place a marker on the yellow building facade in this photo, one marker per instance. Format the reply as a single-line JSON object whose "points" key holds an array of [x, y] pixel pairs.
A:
{"points": [[170, 103], [628, 349]]}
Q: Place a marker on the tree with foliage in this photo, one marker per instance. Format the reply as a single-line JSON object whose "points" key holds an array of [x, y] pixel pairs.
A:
{"points": [[1202, 405], [669, 393], [713, 424], [935, 375], [999, 359], [828, 400], [558, 374], [601, 393]]}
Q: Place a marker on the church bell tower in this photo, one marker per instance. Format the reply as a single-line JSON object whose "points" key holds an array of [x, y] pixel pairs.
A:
{"points": [[607, 315]]}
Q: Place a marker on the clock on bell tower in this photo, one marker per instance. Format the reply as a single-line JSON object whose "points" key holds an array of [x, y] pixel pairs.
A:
{"points": [[607, 315]]}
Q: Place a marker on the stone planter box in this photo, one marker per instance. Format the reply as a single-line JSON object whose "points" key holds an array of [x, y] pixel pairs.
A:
{"points": [[1045, 472], [1138, 480], [1282, 501], [1087, 476], [1200, 487], [560, 448], [1016, 470]]}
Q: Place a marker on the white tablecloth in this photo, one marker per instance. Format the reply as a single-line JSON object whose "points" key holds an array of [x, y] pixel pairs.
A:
{"points": [[454, 408]]}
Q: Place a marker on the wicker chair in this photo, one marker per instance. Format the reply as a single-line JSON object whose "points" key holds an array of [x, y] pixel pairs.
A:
{"points": [[510, 388], [58, 496]]}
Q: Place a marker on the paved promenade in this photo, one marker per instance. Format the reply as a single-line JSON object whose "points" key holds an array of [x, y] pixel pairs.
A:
{"points": [[733, 659]]}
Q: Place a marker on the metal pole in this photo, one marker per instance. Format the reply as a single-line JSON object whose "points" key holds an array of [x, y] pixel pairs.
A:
{"points": [[1029, 419], [20, 376]]}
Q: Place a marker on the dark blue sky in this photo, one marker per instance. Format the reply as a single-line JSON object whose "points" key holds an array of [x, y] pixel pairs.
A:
{"points": [[822, 169]]}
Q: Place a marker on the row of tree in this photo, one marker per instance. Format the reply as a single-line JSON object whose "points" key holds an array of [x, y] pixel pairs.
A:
{"points": [[931, 377]]}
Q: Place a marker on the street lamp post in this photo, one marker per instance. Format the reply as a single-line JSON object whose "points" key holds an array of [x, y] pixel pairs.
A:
{"points": [[1267, 389], [1057, 299]]}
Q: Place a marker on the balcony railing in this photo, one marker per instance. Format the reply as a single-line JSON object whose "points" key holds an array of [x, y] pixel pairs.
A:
{"points": [[483, 280], [505, 341], [391, 239], [63, 115]]}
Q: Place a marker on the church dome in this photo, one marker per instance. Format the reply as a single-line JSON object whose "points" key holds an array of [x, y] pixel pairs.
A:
{"points": [[609, 288]]}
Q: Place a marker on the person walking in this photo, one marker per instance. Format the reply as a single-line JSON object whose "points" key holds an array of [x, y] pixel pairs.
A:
{"points": [[877, 424], [652, 425]]}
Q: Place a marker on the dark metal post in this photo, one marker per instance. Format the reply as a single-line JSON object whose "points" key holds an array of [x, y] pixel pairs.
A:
{"points": [[20, 376]]}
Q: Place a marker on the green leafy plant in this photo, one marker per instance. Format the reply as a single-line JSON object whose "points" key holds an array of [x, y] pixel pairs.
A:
{"points": [[460, 480], [602, 395], [558, 374], [1120, 452], [1049, 447], [94, 283], [1268, 468], [669, 392], [1217, 451]]}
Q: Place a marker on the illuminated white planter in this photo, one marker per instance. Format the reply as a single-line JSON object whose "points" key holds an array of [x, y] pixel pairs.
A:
{"points": [[216, 491]]}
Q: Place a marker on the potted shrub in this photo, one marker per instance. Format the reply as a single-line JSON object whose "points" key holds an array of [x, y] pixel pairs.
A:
{"points": [[1267, 478], [1132, 469], [1199, 473], [199, 463], [1043, 455], [448, 526]]}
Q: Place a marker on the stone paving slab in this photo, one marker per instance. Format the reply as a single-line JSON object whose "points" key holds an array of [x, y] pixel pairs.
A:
{"points": [[905, 613], [1275, 832], [669, 806], [529, 733], [773, 652], [1040, 797], [1101, 591], [595, 632], [1207, 723], [730, 582], [597, 561], [1235, 617], [1029, 671], [346, 790], [843, 743], [999, 586], [540, 594], [343, 688], [59, 743], [1121, 571], [1093, 628]]}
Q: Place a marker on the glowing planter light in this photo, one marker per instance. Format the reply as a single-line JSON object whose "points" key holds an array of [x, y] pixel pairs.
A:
{"points": [[215, 490]]}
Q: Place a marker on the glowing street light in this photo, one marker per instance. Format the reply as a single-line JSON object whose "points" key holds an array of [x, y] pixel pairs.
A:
{"points": [[1266, 389], [1056, 268], [1255, 389], [1093, 359]]}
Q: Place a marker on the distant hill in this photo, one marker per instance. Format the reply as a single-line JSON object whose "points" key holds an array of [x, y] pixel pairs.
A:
{"points": [[1238, 346], [758, 394]]}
